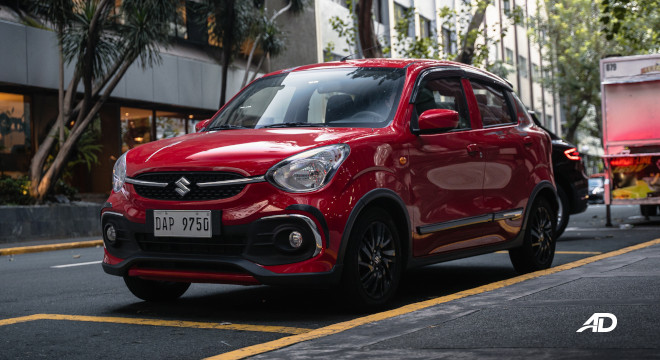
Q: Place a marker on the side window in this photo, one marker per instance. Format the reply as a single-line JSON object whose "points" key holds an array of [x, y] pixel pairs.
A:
{"points": [[521, 110], [492, 104], [446, 93]]}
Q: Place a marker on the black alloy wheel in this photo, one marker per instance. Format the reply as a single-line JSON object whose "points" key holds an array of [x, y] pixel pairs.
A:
{"points": [[538, 249], [373, 260]]}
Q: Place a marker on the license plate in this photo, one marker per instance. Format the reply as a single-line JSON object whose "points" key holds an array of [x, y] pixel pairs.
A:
{"points": [[182, 223]]}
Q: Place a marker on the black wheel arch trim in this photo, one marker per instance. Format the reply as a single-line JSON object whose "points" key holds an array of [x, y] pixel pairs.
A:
{"points": [[554, 201], [362, 204]]}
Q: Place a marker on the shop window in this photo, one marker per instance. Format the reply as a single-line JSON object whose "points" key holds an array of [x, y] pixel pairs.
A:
{"points": [[135, 127], [138, 126], [14, 132], [169, 124]]}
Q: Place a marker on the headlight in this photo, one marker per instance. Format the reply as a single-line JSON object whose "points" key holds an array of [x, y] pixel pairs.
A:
{"points": [[309, 170], [119, 173]]}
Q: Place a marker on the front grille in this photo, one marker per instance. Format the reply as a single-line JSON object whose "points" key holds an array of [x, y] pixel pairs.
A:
{"points": [[191, 246], [196, 193]]}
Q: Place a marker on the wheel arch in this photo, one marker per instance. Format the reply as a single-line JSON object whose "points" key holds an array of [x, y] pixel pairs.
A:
{"points": [[389, 201], [546, 190]]}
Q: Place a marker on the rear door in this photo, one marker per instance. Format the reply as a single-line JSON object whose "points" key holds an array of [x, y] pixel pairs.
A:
{"points": [[510, 157], [447, 172]]}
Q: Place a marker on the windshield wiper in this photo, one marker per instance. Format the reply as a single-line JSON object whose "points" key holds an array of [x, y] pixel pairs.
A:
{"points": [[227, 127], [293, 124]]}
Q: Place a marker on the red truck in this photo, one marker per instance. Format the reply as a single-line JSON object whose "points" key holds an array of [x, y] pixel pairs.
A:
{"points": [[630, 87]]}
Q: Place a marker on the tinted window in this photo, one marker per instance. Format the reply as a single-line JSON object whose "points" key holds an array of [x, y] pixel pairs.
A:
{"points": [[446, 93], [492, 104]]}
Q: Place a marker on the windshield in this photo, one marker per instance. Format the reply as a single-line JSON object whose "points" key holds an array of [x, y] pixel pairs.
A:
{"points": [[595, 182], [342, 97]]}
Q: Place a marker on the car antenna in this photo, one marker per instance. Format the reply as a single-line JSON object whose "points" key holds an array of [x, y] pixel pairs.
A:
{"points": [[353, 54], [347, 56]]}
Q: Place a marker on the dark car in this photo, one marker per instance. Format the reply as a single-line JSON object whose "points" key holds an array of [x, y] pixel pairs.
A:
{"points": [[570, 177], [343, 173]]}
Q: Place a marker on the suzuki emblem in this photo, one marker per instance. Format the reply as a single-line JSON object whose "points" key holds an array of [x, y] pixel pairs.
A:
{"points": [[181, 186]]}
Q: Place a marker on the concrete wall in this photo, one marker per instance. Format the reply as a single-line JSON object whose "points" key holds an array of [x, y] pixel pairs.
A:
{"points": [[22, 223]]}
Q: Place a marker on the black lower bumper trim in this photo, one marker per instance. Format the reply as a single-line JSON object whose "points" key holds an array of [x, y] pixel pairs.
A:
{"points": [[225, 266]]}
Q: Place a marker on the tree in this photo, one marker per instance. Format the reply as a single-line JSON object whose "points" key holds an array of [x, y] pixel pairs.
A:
{"points": [[267, 36], [575, 47], [466, 21], [468, 39], [101, 41], [230, 26], [578, 40], [633, 24], [371, 47]]}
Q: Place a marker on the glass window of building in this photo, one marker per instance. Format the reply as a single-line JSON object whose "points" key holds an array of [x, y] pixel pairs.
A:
{"points": [[377, 11], [402, 14], [178, 27], [506, 6], [536, 73], [509, 56], [135, 127], [14, 132], [425, 28], [448, 44], [170, 124], [522, 66]]}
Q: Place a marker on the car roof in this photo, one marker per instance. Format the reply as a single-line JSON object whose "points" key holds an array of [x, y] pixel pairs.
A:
{"points": [[417, 64]]}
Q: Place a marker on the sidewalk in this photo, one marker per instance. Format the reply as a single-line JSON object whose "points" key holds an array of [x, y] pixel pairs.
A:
{"points": [[536, 318]]}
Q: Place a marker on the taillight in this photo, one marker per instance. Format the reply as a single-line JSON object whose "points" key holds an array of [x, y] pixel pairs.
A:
{"points": [[572, 154]]}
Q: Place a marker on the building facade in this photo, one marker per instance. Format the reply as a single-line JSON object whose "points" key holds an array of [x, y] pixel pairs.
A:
{"points": [[167, 100], [148, 104], [509, 44]]}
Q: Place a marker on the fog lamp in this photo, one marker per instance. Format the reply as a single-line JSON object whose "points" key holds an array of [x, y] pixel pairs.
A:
{"points": [[110, 233], [295, 239]]}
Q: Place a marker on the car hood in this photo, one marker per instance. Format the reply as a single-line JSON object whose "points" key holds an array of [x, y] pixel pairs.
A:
{"points": [[250, 152]]}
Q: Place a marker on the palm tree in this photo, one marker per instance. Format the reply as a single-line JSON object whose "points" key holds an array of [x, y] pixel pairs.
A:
{"points": [[101, 40]]}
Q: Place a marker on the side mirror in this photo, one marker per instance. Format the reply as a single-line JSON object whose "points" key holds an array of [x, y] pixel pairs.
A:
{"points": [[202, 124], [437, 120]]}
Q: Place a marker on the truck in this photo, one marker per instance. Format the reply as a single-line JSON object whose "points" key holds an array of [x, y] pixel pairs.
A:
{"points": [[630, 88]]}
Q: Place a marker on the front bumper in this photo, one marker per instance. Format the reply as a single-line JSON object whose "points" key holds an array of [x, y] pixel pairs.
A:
{"points": [[253, 253]]}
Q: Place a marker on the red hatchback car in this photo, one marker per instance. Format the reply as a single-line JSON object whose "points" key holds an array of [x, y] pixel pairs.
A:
{"points": [[344, 173]]}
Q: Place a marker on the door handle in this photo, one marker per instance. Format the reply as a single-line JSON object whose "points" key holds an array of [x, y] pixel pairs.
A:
{"points": [[528, 141], [473, 150]]}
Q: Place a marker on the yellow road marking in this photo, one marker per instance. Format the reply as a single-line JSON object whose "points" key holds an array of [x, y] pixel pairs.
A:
{"points": [[51, 247], [579, 252], [565, 252], [154, 322], [343, 326]]}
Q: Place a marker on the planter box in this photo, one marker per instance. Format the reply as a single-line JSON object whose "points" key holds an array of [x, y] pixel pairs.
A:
{"points": [[38, 222]]}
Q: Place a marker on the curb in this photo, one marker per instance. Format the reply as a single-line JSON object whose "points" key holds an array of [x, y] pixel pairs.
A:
{"points": [[42, 248]]}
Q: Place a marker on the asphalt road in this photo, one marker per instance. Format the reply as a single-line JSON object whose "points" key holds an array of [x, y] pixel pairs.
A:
{"points": [[61, 304]]}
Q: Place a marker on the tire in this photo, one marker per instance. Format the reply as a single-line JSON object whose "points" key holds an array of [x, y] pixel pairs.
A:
{"points": [[563, 212], [155, 291], [648, 210], [538, 249], [373, 261]]}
